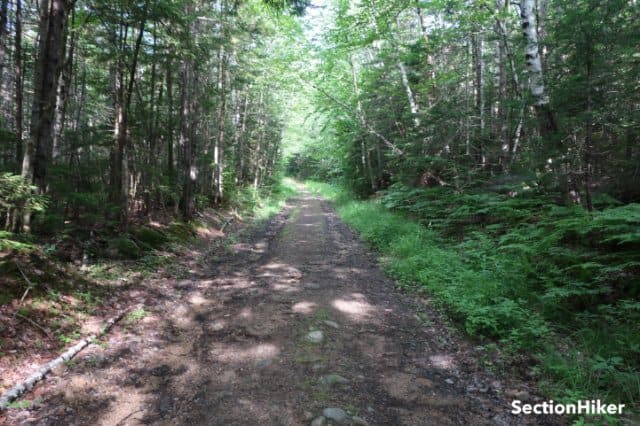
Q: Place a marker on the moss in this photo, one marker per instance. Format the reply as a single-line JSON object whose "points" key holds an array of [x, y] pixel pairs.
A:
{"points": [[126, 248], [181, 231], [150, 237]]}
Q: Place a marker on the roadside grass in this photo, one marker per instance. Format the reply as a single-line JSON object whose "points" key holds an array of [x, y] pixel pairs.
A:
{"points": [[516, 287], [262, 204]]}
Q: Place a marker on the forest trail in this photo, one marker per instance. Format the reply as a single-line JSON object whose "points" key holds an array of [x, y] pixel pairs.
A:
{"points": [[298, 320]]}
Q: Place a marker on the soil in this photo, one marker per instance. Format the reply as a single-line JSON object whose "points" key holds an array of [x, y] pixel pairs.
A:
{"points": [[291, 320]]}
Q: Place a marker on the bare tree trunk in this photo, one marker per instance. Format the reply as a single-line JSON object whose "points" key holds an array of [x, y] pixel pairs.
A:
{"points": [[243, 129], [258, 152], [363, 122], [186, 140], [119, 192], [64, 83], [413, 105], [53, 16], [502, 110], [467, 92], [3, 48], [150, 157], [219, 145], [478, 61], [588, 142], [421, 23], [534, 66], [169, 123], [18, 83]]}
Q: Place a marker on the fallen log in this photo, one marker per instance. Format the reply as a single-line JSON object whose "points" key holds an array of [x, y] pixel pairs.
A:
{"points": [[26, 385]]}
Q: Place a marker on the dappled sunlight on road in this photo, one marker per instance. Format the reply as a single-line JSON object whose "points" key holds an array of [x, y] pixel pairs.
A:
{"points": [[246, 313], [444, 362], [255, 340], [243, 353], [304, 307], [355, 306]]}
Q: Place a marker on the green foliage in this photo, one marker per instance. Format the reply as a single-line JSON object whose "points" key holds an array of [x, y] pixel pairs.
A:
{"points": [[126, 248], [150, 237], [136, 315], [530, 274], [17, 194], [10, 241], [181, 231], [266, 202]]}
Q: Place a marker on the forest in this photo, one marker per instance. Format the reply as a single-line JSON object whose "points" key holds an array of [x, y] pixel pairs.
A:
{"points": [[486, 150]]}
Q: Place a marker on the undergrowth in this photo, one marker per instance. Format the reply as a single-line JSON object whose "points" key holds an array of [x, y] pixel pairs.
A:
{"points": [[264, 203], [53, 283], [553, 282]]}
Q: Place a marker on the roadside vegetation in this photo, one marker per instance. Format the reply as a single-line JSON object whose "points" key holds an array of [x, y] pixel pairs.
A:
{"points": [[49, 301], [552, 290]]}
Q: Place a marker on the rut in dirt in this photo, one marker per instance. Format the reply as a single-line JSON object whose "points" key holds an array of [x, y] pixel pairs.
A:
{"points": [[298, 325]]}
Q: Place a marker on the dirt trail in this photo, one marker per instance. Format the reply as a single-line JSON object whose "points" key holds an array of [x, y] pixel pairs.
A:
{"points": [[295, 321]]}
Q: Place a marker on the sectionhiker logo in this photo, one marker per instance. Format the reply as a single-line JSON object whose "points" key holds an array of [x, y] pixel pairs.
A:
{"points": [[586, 407]]}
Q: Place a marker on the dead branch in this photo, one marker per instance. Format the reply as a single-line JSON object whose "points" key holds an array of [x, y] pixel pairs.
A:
{"points": [[33, 323], [29, 287], [25, 386]]}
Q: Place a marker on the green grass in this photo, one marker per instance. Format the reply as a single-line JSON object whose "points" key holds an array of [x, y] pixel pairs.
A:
{"points": [[525, 286], [136, 315], [265, 203]]}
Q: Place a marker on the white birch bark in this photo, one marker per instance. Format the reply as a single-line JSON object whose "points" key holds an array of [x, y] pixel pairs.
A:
{"points": [[413, 105], [532, 53]]}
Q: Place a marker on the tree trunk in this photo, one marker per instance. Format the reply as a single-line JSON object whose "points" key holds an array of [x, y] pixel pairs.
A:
{"points": [[53, 16], [219, 144], [186, 143], [169, 124], [3, 46], [18, 83], [243, 127], [478, 61], [123, 96], [64, 83], [501, 100], [588, 142], [534, 67], [413, 105], [47, 70]]}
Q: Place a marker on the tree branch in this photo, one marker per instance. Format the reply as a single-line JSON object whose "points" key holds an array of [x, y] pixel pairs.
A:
{"points": [[361, 119]]}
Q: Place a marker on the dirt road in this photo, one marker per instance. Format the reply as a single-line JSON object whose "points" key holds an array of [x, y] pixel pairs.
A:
{"points": [[294, 323]]}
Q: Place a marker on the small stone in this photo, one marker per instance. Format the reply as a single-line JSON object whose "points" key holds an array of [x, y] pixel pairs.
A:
{"points": [[500, 420], [359, 421], [319, 421], [333, 379], [318, 367], [331, 324], [450, 381], [523, 395], [370, 409], [264, 363], [313, 286], [338, 415], [315, 336]]}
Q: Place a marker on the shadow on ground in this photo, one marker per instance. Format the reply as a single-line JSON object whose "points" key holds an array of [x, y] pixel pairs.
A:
{"points": [[294, 321]]}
